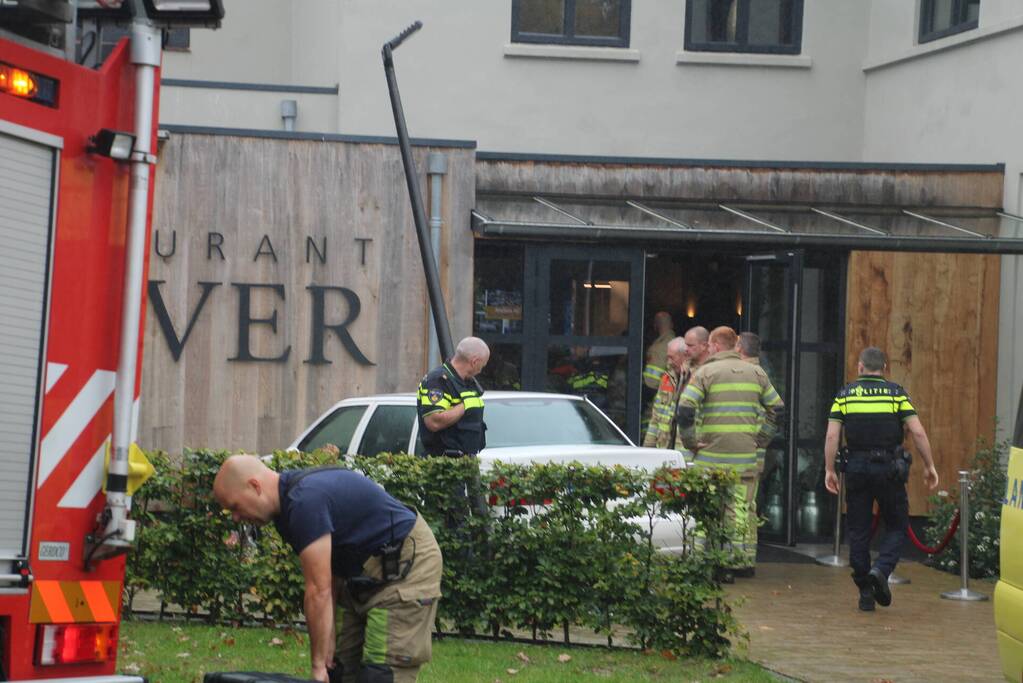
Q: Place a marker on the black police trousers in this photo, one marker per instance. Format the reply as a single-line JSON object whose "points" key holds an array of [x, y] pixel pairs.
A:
{"points": [[866, 482]]}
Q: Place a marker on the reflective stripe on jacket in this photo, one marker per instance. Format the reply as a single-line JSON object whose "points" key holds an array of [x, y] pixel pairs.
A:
{"points": [[721, 407]]}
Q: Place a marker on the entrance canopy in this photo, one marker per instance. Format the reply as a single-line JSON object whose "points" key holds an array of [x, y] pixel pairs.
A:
{"points": [[771, 226]]}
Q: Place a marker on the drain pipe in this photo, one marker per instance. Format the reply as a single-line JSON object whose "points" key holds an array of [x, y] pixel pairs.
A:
{"points": [[436, 167], [119, 531], [289, 112]]}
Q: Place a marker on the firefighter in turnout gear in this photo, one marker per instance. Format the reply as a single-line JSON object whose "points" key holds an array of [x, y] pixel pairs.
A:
{"points": [[748, 348], [728, 411], [372, 566], [874, 414], [655, 365], [657, 352], [662, 431]]}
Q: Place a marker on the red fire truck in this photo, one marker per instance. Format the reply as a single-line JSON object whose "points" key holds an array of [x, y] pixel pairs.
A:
{"points": [[77, 153]]}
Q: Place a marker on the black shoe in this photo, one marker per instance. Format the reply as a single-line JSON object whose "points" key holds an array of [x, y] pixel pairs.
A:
{"points": [[867, 599], [745, 572], [879, 584]]}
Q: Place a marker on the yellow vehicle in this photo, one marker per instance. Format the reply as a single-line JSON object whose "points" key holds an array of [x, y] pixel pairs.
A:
{"points": [[1009, 591]]}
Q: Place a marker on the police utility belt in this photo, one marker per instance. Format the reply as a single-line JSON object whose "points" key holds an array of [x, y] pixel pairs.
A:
{"points": [[898, 458]]}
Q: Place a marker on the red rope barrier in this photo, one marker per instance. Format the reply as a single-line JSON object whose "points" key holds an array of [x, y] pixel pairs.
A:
{"points": [[944, 542], [916, 541]]}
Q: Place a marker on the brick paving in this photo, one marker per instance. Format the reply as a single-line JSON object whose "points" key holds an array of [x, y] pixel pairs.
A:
{"points": [[803, 622]]}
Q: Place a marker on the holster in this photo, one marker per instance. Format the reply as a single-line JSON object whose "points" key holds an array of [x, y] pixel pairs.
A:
{"points": [[842, 459], [901, 463]]}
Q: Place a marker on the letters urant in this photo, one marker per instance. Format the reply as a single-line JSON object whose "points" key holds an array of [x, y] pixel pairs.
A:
{"points": [[314, 250]]}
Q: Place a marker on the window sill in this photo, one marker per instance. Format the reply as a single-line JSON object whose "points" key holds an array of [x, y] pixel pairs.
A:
{"points": [[744, 59], [947, 43], [580, 52]]}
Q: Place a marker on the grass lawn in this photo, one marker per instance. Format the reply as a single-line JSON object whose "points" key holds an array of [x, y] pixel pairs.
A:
{"points": [[179, 653]]}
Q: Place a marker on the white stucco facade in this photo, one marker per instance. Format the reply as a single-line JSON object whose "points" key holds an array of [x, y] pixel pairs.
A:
{"points": [[862, 89]]}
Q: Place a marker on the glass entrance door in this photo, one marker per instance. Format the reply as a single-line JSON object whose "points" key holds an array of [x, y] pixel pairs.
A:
{"points": [[588, 303], [771, 311], [795, 302]]}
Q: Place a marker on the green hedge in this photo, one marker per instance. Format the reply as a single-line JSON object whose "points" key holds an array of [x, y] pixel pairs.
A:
{"points": [[580, 560], [987, 490]]}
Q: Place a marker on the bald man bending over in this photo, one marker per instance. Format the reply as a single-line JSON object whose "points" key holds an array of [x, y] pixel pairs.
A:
{"points": [[370, 564]]}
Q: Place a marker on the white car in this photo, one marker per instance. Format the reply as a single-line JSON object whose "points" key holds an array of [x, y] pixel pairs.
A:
{"points": [[521, 427]]}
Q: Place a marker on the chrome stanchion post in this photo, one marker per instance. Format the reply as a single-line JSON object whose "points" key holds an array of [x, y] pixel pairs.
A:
{"points": [[835, 560], [896, 580], [964, 592]]}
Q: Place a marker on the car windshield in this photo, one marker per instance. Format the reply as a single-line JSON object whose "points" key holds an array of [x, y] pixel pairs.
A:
{"points": [[547, 422]]}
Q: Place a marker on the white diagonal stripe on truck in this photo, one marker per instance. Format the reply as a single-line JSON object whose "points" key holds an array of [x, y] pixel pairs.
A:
{"points": [[88, 482], [74, 421], [53, 373]]}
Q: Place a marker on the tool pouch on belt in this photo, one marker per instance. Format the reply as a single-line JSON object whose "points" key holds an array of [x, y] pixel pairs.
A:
{"points": [[391, 569], [901, 461]]}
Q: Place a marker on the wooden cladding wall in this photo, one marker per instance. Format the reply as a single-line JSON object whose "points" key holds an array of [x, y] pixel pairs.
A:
{"points": [[707, 183], [273, 232], [936, 316]]}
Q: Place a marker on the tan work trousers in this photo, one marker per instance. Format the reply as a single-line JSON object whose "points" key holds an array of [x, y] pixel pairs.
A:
{"points": [[392, 628]]}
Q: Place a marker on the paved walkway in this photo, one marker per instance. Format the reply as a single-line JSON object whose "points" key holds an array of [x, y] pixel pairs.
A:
{"points": [[803, 623]]}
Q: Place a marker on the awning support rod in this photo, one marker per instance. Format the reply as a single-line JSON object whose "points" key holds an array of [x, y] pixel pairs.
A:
{"points": [[944, 224], [843, 219], [650, 212], [751, 217], [555, 207]]}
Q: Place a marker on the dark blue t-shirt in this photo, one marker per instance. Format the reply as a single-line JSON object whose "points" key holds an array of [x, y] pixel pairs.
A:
{"points": [[358, 513]]}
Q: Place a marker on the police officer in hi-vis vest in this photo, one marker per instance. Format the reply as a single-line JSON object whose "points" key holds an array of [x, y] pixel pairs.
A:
{"points": [[874, 414], [450, 408], [450, 404]]}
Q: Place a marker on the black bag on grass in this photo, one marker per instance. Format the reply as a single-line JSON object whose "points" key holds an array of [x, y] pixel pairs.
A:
{"points": [[250, 677]]}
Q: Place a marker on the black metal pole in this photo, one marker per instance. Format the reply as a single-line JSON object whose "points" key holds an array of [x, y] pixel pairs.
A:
{"points": [[440, 314]]}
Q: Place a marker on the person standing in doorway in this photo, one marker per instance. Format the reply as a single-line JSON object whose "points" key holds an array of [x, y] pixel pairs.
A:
{"points": [[748, 348], [662, 430], [657, 353], [697, 341], [655, 363], [874, 415], [719, 420]]}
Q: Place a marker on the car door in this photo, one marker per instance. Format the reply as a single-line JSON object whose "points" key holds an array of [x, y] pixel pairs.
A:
{"points": [[339, 428], [389, 430]]}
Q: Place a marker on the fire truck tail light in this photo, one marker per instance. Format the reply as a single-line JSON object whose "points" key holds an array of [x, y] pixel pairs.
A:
{"points": [[74, 643]]}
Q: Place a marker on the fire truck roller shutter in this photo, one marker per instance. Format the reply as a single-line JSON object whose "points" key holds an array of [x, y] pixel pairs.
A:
{"points": [[27, 170]]}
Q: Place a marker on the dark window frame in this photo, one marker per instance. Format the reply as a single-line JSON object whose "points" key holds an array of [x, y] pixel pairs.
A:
{"points": [[742, 45], [567, 35], [927, 16]]}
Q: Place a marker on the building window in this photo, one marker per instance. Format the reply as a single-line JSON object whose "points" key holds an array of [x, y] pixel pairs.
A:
{"points": [[940, 18], [601, 23], [771, 26]]}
